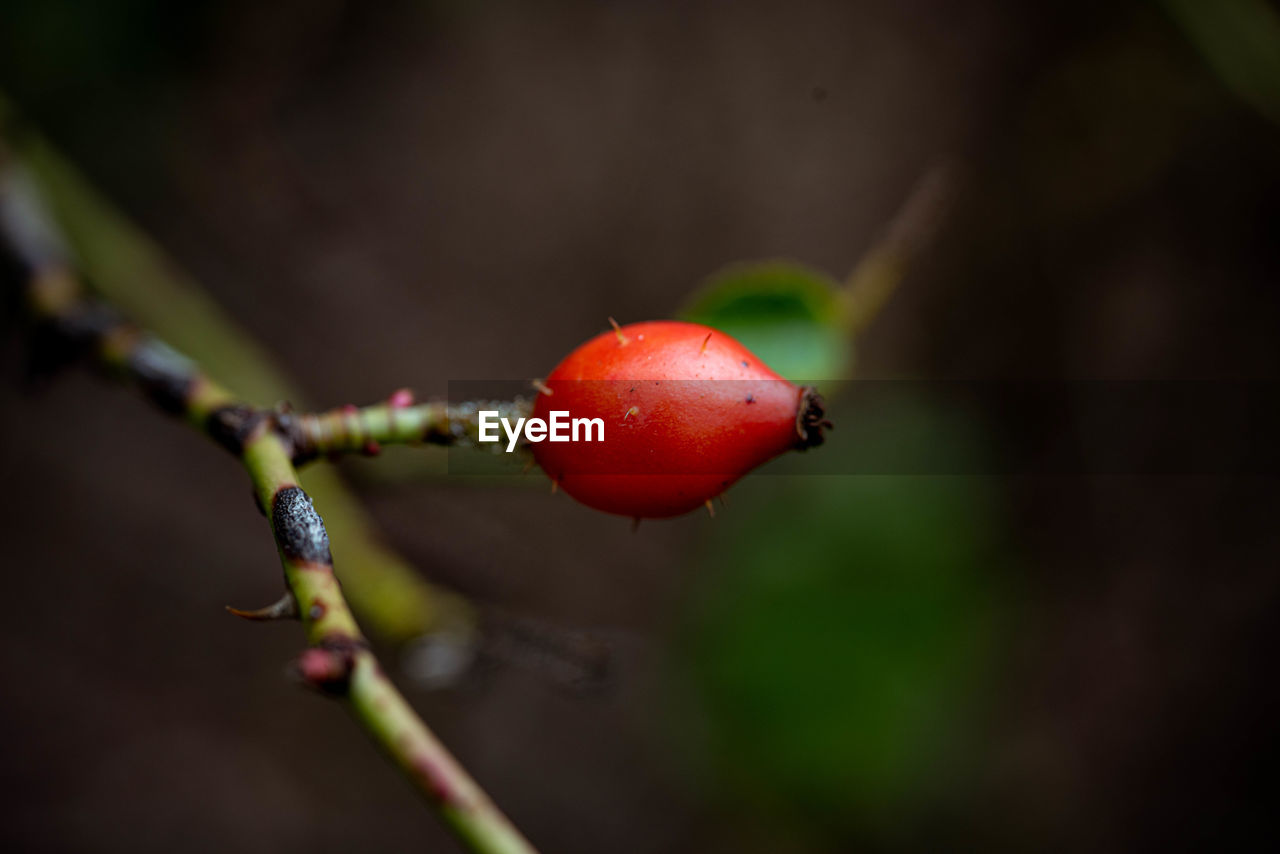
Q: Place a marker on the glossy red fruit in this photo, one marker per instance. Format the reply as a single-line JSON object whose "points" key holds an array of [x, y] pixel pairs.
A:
{"points": [[687, 410]]}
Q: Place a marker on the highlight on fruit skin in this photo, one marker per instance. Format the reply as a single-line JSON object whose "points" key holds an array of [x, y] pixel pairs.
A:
{"points": [[687, 412]]}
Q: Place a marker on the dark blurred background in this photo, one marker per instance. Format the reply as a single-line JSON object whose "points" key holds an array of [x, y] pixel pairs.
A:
{"points": [[406, 193]]}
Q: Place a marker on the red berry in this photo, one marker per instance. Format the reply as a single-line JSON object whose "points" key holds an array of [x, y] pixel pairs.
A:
{"points": [[687, 410]]}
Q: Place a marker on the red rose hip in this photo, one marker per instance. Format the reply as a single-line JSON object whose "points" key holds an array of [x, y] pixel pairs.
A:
{"points": [[686, 411]]}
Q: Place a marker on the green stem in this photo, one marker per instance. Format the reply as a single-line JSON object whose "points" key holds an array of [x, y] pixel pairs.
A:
{"points": [[397, 421], [338, 660], [131, 271], [883, 267]]}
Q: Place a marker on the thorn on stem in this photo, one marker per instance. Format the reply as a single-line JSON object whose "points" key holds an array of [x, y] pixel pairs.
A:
{"points": [[617, 330], [711, 508], [705, 342], [286, 608], [542, 387]]}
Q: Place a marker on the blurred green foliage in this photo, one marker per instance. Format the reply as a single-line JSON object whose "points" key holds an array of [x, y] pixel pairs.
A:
{"points": [[1240, 40], [787, 314], [845, 630]]}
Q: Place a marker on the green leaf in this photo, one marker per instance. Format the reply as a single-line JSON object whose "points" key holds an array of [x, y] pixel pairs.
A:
{"points": [[785, 313]]}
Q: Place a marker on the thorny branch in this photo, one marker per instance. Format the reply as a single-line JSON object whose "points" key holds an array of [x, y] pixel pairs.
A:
{"points": [[395, 603], [338, 660], [396, 421]]}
